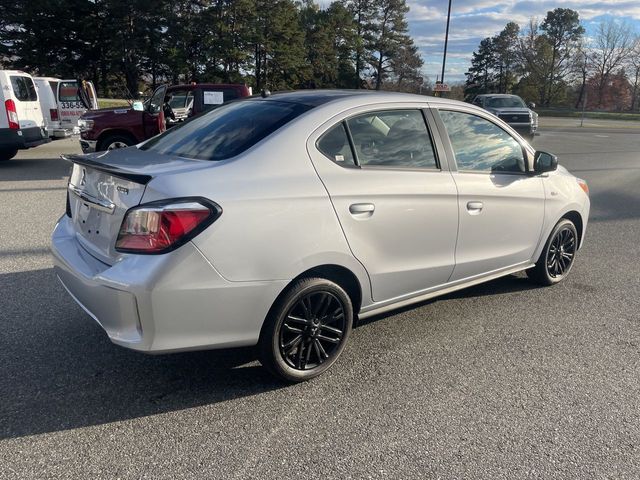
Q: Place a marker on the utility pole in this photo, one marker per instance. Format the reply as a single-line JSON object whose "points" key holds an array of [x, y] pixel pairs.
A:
{"points": [[446, 41]]}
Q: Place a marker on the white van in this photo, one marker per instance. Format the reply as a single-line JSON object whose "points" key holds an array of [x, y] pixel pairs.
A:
{"points": [[21, 122], [61, 104]]}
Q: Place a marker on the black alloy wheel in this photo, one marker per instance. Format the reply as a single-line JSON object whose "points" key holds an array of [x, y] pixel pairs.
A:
{"points": [[558, 255], [312, 330], [307, 330], [561, 252]]}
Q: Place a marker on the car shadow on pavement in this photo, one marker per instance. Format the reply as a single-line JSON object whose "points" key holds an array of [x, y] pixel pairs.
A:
{"points": [[28, 169], [59, 371]]}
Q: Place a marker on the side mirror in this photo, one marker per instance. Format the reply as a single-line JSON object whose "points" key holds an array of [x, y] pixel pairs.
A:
{"points": [[531, 105], [544, 162]]}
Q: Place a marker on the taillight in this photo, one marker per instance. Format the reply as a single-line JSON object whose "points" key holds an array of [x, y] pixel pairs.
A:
{"points": [[53, 113], [160, 227], [12, 114]]}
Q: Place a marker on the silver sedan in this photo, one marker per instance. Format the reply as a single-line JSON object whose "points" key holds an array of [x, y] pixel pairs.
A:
{"points": [[279, 220]]}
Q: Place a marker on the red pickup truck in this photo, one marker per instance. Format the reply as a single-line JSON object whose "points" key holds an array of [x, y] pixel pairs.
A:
{"points": [[109, 128]]}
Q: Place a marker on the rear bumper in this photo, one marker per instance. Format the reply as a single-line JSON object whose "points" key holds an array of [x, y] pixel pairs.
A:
{"points": [[64, 132], [162, 303], [23, 138]]}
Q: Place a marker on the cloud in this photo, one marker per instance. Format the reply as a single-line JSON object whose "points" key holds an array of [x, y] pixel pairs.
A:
{"points": [[473, 20]]}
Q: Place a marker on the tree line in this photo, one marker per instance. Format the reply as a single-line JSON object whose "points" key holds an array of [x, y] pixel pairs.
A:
{"points": [[553, 63], [275, 44]]}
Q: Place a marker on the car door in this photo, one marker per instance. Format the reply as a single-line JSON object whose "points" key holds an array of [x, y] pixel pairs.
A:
{"points": [[26, 101], [395, 199], [70, 107], [153, 117], [501, 204]]}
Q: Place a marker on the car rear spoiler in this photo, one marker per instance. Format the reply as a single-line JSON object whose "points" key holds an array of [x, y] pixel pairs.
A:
{"points": [[103, 167]]}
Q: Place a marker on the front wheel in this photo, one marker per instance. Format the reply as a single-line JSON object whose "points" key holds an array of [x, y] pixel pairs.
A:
{"points": [[8, 153], [114, 142], [558, 255], [307, 330]]}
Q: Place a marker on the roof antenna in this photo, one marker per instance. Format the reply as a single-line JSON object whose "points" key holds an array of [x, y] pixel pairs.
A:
{"points": [[265, 93]]}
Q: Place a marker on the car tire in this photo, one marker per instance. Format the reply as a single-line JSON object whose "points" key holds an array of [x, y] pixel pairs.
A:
{"points": [[306, 330], [113, 142], [557, 256], [7, 153]]}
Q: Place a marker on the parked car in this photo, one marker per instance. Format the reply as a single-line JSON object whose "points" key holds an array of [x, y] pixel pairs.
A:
{"points": [[278, 221], [21, 123], [512, 110], [111, 128], [61, 104]]}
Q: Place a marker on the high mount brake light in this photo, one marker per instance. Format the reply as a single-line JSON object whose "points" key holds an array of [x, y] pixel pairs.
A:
{"points": [[12, 114], [162, 227]]}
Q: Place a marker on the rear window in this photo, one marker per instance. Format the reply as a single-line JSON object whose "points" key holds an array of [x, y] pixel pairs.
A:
{"points": [[68, 92], [227, 130], [23, 89]]}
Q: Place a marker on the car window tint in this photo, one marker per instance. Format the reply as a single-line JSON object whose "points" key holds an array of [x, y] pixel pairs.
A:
{"points": [[227, 130], [68, 92], [335, 145], [24, 89], [480, 145], [178, 98], [397, 138]]}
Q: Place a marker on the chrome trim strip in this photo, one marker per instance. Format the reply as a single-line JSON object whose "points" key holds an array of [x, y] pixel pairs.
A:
{"points": [[102, 205]]}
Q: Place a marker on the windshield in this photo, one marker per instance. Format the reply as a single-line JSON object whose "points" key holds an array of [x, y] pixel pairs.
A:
{"points": [[227, 130], [502, 102]]}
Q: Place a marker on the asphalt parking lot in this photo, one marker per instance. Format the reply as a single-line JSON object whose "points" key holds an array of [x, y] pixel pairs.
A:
{"points": [[504, 380]]}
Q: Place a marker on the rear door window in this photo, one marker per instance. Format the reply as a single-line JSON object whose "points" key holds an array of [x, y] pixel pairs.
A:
{"points": [[392, 138], [226, 131], [334, 144], [23, 88], [68, 92]]}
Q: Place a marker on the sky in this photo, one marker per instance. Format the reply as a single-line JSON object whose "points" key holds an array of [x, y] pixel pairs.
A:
{"points": [[473, 20]]}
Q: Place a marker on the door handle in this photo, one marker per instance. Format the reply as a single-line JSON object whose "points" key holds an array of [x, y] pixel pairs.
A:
{"points": [[362, 209], [474, 208]]}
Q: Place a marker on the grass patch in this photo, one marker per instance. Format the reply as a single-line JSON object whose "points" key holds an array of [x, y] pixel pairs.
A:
{"points": [[547, 112], [112, 102]]}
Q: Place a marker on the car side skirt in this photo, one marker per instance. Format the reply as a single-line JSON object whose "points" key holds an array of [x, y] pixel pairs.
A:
{"points": [[399, 302]]}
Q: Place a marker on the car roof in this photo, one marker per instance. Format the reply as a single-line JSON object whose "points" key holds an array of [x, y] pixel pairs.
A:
{"points": [[315, 98], [192, 86], [498, 95]]}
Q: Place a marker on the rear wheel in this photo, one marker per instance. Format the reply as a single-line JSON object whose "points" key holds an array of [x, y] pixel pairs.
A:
{"points": [[558, 255], [113, 142], [307, 330], [7, 153]]}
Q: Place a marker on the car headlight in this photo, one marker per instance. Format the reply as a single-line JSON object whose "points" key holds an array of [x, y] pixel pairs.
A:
{"points": [[85, 125]]}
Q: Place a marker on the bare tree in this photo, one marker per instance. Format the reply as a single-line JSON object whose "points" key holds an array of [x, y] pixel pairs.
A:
{"points": [[612, 46], [634, 68]]}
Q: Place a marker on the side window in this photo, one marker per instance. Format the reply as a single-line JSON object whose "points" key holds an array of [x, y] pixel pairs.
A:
{"points": [[392, 138], [24, 89], [480, 145], [335, 145], [177, 98]]}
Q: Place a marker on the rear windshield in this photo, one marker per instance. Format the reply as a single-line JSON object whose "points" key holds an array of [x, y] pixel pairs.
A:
{"points": [[227, 130], [68, 92], [24, 89]]}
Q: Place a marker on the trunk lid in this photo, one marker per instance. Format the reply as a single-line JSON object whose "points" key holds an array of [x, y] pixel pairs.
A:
{"points": [[103, 186]]}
